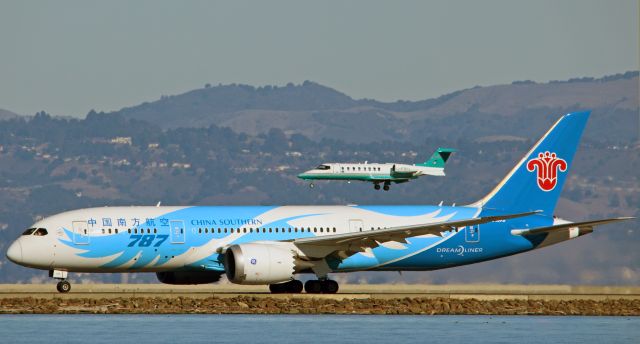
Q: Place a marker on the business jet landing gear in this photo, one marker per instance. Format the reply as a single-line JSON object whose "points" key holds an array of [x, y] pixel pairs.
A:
{"points": [[293, 287], [321, 286], [386, 186], [311, 185], [63, 285], [376, 186]]}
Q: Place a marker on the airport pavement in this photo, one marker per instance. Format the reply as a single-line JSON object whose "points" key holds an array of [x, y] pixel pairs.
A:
{"points": [[482, 292]]}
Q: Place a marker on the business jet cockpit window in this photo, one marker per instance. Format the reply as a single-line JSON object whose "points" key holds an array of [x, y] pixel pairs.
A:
{"points": [[323, 167]]}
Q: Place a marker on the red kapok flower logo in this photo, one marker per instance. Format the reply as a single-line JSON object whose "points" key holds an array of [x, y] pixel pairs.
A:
{"points": [[547, 166]]}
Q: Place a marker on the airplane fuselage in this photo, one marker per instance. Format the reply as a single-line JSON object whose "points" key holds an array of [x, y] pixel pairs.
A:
{"points": [[372, 172], [152, 239]]}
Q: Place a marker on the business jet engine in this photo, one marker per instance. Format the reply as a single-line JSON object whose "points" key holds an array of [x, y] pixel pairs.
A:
{"points": [[260, 263], [188, 277]]}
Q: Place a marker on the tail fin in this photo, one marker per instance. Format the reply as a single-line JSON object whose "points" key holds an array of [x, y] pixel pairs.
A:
{"points": [[439, 158], [536, 181]]}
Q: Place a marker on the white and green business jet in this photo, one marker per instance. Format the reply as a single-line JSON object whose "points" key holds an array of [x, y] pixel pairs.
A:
{"points": [[380, 173]]}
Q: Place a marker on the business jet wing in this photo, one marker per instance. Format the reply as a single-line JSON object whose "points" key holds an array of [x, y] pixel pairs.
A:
{"points": [[587, 225], [347, 244]]}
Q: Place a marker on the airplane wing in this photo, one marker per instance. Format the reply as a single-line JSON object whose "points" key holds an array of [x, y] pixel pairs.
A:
{"points": [[347, 244], [587, 225]]}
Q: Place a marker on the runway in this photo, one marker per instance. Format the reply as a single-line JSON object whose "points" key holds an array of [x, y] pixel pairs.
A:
{"points": [[347, 291]]}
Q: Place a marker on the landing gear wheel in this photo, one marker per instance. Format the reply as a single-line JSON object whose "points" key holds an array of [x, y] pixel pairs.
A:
{"points": [[313, 287], [293, 287], [376, 186], [386, 187], [311, 185], [329, 287], [63, 286]]}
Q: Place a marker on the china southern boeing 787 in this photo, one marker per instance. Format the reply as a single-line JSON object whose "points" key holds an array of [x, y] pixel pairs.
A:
{"points": [[273, 244]]}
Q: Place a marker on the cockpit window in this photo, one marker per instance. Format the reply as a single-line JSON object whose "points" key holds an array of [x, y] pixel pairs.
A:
{"points": [[323, 167], [29, 231], [40, 232], [36, 232]]}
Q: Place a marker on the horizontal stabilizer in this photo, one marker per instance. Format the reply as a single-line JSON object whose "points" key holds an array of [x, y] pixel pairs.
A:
{"points": [[587, 225]]}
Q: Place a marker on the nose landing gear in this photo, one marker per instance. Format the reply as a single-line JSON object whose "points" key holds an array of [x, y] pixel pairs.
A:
{"points": [[63, 285]]}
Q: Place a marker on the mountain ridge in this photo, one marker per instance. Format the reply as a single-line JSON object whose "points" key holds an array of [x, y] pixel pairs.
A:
{"points": [[318, 111]]}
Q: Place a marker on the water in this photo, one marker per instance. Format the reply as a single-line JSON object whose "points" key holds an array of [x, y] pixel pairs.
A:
{"points": [[280, 329]]}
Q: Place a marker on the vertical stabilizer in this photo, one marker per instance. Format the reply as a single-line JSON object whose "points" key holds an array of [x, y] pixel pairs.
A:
{"points": [[536, 181], [439, 158]]}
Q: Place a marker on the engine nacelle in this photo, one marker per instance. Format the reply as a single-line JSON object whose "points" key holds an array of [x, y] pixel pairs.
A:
{"points": [[255, 263], [188, 277]]}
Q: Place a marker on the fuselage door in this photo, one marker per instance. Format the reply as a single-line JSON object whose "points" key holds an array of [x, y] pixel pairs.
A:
{"points": [[355, 226], [80, 233], [177, 231], [472, 233]]}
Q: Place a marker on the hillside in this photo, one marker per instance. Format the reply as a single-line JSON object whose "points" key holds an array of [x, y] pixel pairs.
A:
{"points": [[6, 114], [320, 112]]}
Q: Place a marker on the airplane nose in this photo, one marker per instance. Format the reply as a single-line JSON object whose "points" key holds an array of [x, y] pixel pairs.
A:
{"points": [[14, 253]]}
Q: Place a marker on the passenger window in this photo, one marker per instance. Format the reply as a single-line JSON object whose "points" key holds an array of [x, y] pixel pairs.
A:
{"points": [[102, 230], [334, 229], [109, 230], [155, 230], [116, 230]]}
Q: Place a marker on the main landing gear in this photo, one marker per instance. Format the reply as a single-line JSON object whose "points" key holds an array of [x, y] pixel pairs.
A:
{"points": [[321, 286], [385, 187], [291, 287], [311, 287], [63, 285]]}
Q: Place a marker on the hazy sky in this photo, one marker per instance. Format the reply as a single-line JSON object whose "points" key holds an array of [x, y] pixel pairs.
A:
{"points": [[67, 57]]}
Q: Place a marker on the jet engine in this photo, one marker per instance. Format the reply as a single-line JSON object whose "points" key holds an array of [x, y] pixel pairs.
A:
{"points": [[256, 263], [188, 277]]}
